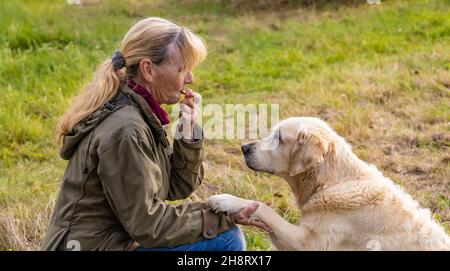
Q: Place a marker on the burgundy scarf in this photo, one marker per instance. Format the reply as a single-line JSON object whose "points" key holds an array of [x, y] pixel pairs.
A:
{"points": [[152, 103]]}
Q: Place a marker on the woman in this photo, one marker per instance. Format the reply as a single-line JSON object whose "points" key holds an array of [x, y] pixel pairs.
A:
{"points": [[121, 166]]}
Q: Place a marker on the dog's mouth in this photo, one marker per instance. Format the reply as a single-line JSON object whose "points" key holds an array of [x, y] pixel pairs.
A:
{"points": [[251, 164], [251, 161]]}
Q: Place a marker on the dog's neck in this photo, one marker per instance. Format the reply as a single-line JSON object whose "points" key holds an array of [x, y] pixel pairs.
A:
{"points": [[341, 166], [304, 185]]}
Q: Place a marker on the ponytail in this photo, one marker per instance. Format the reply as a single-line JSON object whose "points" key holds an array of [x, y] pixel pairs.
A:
{"points": [[102, 88]]}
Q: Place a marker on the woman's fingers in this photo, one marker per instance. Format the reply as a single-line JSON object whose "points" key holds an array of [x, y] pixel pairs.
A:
{"points": [[191, 98], [197, 98], [246, 212], [189, 112], [244, 217], [186, 108], [189, 102], [189, 93]]}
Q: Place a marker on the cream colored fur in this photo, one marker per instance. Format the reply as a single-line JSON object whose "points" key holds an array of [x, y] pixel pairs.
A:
{"points": [[346, 203]]}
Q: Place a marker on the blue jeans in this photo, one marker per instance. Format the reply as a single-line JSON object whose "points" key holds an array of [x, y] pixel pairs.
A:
{"points": [[231, 240]]}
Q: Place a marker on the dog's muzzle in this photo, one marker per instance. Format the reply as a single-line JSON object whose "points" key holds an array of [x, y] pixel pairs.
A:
{"points": [[248, 157]]}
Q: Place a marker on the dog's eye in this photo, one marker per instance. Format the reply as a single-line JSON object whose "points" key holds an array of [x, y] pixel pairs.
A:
{"points": [[279, 137]]}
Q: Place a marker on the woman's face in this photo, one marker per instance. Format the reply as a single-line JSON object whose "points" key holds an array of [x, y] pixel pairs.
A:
{"points": [[169, 79]]}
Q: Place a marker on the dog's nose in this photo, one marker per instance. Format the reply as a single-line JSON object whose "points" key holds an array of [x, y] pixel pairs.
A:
{"points": [[245, 149]]}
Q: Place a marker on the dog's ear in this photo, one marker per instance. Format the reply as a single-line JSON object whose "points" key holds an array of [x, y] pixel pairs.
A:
{"points": [[309, 150]]}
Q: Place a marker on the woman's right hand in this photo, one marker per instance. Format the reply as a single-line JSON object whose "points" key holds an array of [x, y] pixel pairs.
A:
{"points": [[189, 113]]}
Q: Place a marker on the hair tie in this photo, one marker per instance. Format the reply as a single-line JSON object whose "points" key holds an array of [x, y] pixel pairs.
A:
{"points": [[117, 60]]}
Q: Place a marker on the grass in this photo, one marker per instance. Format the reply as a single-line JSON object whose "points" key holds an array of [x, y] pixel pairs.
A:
{"points": [[378, 74]]}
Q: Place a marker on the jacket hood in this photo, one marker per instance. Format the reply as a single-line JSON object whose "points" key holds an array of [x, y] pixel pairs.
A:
{"points": [[88, 124], [126, 96]]}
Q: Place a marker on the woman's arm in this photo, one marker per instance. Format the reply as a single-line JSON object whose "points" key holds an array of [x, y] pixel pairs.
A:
{"points": [[129, 172], [187, 169]]}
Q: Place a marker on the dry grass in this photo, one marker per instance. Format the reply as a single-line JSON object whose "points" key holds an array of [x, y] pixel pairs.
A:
{"points": [[23, 226]]}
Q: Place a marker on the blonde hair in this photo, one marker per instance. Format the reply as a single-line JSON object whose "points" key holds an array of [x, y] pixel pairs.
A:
{"points": [[148, 38]]}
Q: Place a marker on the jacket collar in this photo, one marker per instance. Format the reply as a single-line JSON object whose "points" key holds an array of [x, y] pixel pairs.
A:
{"points": [[148, 115]]}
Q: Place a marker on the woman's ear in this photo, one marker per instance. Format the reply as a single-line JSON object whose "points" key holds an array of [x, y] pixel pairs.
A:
{"points": [[309, 150], [146, 69]]}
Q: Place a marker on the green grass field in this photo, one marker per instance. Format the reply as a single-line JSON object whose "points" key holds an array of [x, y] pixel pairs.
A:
{"points": [[378, 74]]}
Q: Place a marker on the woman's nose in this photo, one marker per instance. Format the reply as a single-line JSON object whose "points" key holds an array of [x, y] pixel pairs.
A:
{"points": [[189, 78]]}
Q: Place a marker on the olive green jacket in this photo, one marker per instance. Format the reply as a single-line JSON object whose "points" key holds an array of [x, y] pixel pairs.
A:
{"points": [[120, 173]]}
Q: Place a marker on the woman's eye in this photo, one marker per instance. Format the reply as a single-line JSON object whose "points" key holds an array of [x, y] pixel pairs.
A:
{"points": [[181, 68]]}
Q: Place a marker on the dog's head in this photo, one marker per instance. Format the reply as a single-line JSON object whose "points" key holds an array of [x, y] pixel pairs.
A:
{"points": [[294, 146]]}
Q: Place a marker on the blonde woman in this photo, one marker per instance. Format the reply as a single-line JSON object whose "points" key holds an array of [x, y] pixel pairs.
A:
{"points": [[121, 168]]}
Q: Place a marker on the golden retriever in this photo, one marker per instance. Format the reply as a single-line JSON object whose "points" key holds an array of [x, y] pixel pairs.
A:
{"points": [[346, 204]]}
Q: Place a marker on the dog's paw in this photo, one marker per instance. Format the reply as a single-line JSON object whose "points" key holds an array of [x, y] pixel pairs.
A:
{"points": [[227, 203]]}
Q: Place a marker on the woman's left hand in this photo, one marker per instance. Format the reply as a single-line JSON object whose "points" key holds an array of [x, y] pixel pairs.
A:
{"points": [[243, 217]]}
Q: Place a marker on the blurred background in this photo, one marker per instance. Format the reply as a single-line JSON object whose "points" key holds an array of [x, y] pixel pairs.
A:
{"points": [[377, 73]]}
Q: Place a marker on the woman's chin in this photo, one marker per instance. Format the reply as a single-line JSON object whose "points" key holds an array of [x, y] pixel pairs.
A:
{"points": [[174, 100]]}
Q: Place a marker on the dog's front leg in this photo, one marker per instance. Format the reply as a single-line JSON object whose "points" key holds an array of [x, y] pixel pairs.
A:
{"points": [[284, 235]]}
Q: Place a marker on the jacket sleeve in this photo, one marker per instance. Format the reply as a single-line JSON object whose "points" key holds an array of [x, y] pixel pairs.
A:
{"points": [[129, 175], [187, 169], [186, 162]]}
